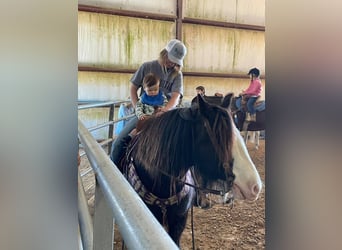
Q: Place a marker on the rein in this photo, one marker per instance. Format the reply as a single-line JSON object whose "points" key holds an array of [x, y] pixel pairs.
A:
{"points": [[205, 190]]}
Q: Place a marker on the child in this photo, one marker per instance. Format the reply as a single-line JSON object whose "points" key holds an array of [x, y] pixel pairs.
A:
{"points": [[152, 100], [251, 94]]}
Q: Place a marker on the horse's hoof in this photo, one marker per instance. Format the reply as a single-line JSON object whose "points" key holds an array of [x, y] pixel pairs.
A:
{"points": [[204, 203], [205, 206]]}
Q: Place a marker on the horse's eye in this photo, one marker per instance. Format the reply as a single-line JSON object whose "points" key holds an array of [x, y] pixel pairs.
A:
{"points": [[231, 163]]}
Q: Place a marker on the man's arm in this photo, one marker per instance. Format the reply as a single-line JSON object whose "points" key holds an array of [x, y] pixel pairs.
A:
{"points": [[134, 94], [172, 103]]}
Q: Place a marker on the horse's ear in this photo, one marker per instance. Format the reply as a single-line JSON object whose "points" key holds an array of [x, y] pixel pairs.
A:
{"points": [[227, 100], [202, 104]]}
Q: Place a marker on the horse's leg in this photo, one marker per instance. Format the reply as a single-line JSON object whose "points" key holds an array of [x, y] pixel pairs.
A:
{"points": [[178, 214], [252, 136], [177, 223], [203, 200], [244, 134], [257, 135]]}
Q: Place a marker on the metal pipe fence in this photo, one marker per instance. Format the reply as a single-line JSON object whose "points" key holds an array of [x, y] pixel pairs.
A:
{"points": [[111, 121]]}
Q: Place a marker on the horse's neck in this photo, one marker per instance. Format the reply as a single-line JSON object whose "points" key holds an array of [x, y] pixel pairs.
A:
{"points": [[161, 183]]}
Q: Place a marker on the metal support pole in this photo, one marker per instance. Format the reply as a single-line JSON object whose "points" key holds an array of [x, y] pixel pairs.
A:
{"points": [[103, 222], [84, 218], [111, 127]]}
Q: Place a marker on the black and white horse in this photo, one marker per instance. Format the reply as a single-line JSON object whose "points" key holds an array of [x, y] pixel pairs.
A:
{"points": [[203, 137]]}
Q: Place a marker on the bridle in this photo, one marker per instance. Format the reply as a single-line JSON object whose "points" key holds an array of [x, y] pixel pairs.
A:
{"points": [[227, 163], [196, 185]]}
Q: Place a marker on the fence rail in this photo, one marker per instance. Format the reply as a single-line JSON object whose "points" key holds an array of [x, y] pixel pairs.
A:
{"points": [[111, 121]]}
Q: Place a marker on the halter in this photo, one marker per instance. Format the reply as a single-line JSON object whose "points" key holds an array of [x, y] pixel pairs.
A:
{"points": [[196, 186], [149, 197]]}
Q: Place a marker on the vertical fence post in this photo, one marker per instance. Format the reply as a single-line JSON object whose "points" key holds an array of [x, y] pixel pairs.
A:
{"points": [[85, 220], [111, 127], [103, 222]]}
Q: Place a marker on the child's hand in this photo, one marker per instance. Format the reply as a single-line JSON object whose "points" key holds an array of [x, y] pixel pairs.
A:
{"points": [[163, 109], [160, 111], [142, 117]]}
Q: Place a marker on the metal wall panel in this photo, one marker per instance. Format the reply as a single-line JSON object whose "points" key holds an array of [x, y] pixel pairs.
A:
{"points": [[103, 86], [223, 50], [217, 10], [208, 48], [249, 50], [251, 12], [162, 7], [120, 42], [233, 11], [113, 86]]}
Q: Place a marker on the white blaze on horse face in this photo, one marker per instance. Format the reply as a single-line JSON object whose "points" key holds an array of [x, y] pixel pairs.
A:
{"points": [[247, 183]]}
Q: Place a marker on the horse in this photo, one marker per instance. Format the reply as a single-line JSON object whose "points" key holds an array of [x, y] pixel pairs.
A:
{"points": [[255, 126], [203, 138], [240, 116]]}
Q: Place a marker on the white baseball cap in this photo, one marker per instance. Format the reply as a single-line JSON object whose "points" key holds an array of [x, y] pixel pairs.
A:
{"points": [[176, 51]]}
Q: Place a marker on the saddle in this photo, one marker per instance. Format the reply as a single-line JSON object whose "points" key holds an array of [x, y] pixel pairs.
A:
{"points": [[244, 100]]}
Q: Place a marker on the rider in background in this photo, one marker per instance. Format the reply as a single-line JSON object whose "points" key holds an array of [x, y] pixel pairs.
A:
{"points": [[200, 90], [251, 94]]}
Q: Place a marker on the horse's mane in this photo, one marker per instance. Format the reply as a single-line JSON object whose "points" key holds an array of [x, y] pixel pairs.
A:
{"points": [[164, 142]]}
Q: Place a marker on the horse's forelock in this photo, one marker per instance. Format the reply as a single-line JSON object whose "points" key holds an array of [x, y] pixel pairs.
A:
{"points": [[222, 129]]}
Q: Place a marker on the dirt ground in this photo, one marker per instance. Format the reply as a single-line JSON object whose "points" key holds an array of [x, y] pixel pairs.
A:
{"points": [[220, 227]]}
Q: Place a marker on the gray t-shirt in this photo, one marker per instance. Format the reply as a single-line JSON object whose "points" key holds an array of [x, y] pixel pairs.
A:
{"points": [[167, 83]]}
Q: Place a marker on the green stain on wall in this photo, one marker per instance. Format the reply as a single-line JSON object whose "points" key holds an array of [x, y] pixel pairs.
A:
{"points": [[129, 47], [235, 49]]}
